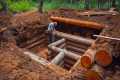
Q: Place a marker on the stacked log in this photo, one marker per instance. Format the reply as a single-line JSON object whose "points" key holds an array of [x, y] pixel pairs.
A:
{"points": [[107, 48]]}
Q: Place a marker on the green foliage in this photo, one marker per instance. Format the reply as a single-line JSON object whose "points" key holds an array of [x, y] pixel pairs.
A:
{"points": [[25, 5], [22, 5]]}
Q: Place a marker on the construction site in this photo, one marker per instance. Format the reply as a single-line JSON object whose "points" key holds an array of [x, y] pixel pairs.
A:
{"points": [[85, 45]]}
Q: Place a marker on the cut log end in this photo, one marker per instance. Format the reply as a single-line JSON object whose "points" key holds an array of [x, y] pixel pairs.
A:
{"points": [[103, 58], [92, 75], [86, 61]]}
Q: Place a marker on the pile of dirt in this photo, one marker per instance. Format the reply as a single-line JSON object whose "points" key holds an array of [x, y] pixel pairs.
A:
{"points": [[31, 19], [28, 25], [15, 65], [4, 20]]}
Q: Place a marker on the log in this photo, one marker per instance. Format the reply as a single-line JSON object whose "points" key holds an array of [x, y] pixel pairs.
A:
{"points": [[67, 53], [108, 45], [36, 58], [87, 58], [35, 44], [93, 13], [92, 75], [59, 42], [62, 46], [74, 38], [32, 40], [3, 29], [79, 50], [103, 58], [78, 45], [79, 23], [58, 58]]}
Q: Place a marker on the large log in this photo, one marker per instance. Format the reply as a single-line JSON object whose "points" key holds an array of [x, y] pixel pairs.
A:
{"points": [[87, 58], [108, 46], [79, 23], [74, 38]]}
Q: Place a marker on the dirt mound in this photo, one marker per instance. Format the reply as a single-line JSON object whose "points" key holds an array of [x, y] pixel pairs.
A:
{"points": [[29, 24], [29, 19], [15, 65]]}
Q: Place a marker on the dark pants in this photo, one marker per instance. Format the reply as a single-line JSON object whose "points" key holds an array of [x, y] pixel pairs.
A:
{"points": [[51, 38]]}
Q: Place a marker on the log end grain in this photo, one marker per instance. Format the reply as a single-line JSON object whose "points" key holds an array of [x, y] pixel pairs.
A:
{"points": [[103, 58], [92, 75], [86, 61]]}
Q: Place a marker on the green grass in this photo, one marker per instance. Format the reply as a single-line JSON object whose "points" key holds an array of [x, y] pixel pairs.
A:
{"points": [[21, 6], [54, 5]]}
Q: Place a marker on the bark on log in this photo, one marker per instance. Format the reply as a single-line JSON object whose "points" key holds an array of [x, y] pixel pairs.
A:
{"points": [[35, 39], [58, 58], [67, 53], [79, 23], [35, 44], [78, 45], [108, 48], [3, 29], [87, 58], [74, 38], [59, 42], [79, 50]]}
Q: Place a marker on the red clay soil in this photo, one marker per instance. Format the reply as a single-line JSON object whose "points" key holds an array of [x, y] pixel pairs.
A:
{"points": [[14, 65], [29, 23]]}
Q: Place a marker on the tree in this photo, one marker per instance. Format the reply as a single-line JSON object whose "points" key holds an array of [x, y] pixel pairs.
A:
{"points": [[40, 7], [4, 5]]}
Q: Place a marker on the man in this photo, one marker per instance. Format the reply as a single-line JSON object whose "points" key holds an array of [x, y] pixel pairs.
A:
{"points": [[51, 29], [4, 5]]}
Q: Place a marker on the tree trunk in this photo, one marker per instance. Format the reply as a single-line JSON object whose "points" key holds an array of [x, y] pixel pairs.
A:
{"points": [[40, 7], [4, 5]]}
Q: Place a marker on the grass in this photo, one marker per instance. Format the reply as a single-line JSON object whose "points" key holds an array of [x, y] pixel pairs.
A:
{"points": [[21, 6]]}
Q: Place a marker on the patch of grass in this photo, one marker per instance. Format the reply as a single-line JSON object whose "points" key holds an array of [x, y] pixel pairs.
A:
{"points": [[21, 6], [54, 5]]}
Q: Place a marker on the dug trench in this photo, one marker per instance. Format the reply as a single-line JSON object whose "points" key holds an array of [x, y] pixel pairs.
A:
{"points": [[30, 35]]}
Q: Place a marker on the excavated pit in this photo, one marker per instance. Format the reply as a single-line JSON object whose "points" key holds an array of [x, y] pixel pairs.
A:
{"points": [[32, 38], [38, 44]]}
